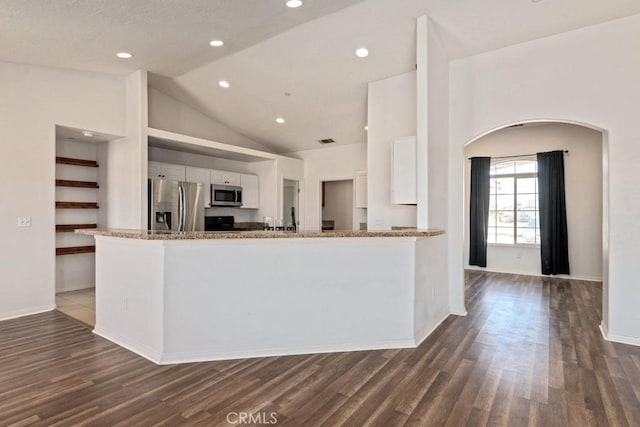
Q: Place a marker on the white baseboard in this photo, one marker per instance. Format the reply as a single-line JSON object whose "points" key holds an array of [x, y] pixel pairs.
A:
{"points": [[143, 350], [216, 354], [618, 338], [209, 355], [458, 311], [26, 312], [527, 273]]}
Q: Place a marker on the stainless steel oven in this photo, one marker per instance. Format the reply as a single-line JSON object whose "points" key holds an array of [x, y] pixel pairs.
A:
{"points": [[226, 195]]}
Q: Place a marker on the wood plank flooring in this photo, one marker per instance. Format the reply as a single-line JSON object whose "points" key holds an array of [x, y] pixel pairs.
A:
{"points": [[529, 353]]}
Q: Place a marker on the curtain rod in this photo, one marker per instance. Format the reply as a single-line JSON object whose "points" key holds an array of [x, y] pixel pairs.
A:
{"points": [[519, 155]]}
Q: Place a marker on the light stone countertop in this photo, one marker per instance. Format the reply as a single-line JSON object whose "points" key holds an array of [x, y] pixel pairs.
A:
{"points": [[203, 235]]}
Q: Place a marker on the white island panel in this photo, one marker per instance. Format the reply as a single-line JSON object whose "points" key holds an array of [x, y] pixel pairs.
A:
{"points": [[247, 298], [130, 294]]}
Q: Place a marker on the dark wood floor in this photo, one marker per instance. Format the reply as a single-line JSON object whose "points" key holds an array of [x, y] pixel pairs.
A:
{"points": [[528, 353]]}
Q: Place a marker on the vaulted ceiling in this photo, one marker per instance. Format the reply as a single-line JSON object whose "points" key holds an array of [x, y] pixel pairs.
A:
{"points": [[307, 52]]}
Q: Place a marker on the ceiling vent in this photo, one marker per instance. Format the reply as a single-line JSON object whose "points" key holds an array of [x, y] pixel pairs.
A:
{"points": [[326, 141]]}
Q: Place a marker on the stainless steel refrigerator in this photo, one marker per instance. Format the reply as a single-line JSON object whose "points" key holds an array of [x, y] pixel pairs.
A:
{"points": [[176, 205]]}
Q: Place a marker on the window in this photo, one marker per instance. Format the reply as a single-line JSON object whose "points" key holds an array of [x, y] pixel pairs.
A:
{"points": [[513, 204]]}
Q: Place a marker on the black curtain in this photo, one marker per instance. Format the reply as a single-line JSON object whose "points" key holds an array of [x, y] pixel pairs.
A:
{"points": [[479, 214], [554, 247]]}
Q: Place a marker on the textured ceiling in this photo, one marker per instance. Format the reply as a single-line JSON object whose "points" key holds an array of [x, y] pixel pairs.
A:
{"points": [[271, 49], [167, 37]]}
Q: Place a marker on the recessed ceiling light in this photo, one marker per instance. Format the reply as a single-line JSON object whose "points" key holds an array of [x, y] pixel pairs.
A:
{"points": [[280, 120], [363, 52], [124, 55], [87, 133], [216, 43], [223, 83], [294, 3]]}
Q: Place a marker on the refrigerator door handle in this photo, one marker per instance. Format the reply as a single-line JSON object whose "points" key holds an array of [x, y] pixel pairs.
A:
{"points": [[181, 208]]}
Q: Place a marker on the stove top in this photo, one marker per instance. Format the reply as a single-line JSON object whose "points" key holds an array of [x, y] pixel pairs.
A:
{"points": [[219, 223]]}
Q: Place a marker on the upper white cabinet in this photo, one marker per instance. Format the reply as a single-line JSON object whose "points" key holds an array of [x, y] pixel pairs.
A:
{"points": [[361, 189], [250, 183], [225, 177], [250, 191], [166, 171], [202, 176], [403, 179]]}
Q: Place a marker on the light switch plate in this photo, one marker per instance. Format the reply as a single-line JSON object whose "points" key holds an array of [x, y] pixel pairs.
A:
{"points": [[24, 221]]}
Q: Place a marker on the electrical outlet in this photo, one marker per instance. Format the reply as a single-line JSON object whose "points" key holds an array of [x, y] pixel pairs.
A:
{"points": [[380, 221], [24, 221]]}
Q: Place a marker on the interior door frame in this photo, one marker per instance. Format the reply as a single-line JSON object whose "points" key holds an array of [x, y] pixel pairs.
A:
{"points": [[322, 180]]}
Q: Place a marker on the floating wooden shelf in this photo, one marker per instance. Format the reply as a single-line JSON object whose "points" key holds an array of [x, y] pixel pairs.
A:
{"points": [[80, 184], [76, 205], [76, 162], [67, 228], [75, 250]]}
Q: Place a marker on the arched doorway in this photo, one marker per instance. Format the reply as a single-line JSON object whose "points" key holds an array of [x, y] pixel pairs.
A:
{"points": [[521, 259]]}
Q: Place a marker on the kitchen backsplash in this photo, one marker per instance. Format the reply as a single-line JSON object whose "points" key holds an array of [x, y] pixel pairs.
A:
{"points": [[249, 225]]}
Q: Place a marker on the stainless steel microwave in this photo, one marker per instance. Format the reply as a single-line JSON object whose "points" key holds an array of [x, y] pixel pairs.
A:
{"points": [[226, 195]]}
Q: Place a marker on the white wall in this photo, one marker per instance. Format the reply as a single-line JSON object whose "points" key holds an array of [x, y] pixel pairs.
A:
{"points": [[391, 114], [268, 171], [431, 293], [272, 176], [437, 130], [433, 146], [583, 194], [123, 162], [338, 204], [33, 101], [587, 76], [289, 168], [168, 114], [432, 137], [326, 164]]}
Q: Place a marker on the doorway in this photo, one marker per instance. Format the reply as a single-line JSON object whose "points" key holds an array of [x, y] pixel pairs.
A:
{"points": [[290, 204], [337, 205], [585, 162], [81, 158]]}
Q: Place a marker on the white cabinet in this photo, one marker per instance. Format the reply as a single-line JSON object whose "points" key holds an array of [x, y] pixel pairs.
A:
{"points": [[166, 171], [202, 176], [250, 183], [361, 189], [250, 191], [403, 179], [225, 177]]}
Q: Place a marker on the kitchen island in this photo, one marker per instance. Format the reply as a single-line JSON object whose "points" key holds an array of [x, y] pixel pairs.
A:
{"points": [[196, 296]]}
